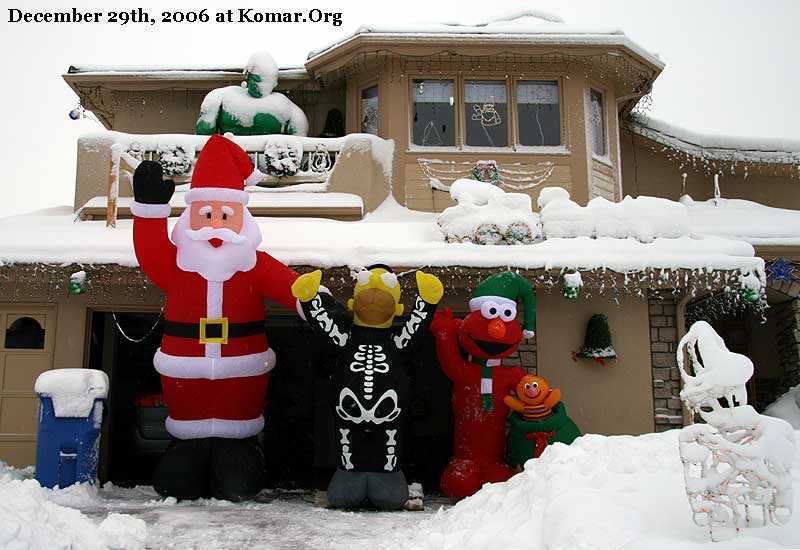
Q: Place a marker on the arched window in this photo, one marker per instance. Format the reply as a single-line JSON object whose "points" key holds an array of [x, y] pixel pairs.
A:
{"points": [[25, 333]]}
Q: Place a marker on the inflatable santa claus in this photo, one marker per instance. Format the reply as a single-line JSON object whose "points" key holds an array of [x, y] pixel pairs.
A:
{"points": [[214, 358]]}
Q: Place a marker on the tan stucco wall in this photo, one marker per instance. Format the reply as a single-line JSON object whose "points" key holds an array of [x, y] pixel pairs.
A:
{"points": [[649, 172], [613, 399], [572, 166], [175, 111]]}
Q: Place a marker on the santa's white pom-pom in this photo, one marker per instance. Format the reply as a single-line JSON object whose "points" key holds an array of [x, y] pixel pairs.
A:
{"points": [[243, 84], [254, 178]]}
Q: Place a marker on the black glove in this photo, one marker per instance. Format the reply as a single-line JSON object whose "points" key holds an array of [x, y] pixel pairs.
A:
{"points": [[148, 187]]}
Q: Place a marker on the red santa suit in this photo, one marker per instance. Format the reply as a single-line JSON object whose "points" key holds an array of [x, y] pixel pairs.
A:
{"points": [[214, 358]]}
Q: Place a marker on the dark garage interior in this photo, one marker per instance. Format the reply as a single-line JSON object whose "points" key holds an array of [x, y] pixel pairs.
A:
{"points": [[298, 437]]}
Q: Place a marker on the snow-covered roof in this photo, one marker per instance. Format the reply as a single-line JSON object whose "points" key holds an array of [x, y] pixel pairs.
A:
{"points": [[391, 234], [530, 26], [717, 147], [172, 72], [744, 220]]}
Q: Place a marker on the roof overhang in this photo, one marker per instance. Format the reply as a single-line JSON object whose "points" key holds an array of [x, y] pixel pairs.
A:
{"points": [[144, 79], [616, 48]]}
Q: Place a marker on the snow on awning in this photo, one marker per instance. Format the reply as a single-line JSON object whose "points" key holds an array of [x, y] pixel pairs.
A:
{"points": [[531, 25], [391, 234], [710, 147]]}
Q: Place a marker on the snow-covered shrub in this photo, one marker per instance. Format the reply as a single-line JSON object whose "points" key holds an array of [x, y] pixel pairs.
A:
{"points": [[282, 157], [486, 214], [642, 218], [136, 150], [736, 465], [175, 158]]}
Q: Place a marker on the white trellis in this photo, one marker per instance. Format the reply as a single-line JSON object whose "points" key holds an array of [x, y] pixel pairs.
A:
{"points": [[736, 465]]}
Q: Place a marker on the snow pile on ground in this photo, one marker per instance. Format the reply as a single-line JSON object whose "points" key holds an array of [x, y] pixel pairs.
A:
{"points": [[787, 407], [642, 218], [30, 519], [598, 493], [486, 214], [745, 220]]}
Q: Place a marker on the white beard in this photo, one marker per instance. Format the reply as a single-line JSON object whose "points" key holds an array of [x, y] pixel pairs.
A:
{"points": [[221, 263]]}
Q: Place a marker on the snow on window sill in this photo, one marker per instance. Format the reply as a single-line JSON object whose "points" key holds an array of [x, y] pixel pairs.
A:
{"points": [[518, 150], [604, 159]]}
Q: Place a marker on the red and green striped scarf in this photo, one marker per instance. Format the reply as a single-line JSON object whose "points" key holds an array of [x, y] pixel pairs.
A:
{"points": [[487, 401]]}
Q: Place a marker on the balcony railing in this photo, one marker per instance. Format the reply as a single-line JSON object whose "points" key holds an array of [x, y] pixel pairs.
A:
{"points": [[352, 172]]}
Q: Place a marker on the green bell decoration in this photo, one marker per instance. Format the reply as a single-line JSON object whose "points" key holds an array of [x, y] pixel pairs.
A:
{"points": [[597, 343]]}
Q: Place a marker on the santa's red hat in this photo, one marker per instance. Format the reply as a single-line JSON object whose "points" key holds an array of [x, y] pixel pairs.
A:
{"points": [[221, 173]]}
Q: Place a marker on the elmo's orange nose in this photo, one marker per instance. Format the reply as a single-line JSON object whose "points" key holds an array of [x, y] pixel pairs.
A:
{"points": [[497, 328]]}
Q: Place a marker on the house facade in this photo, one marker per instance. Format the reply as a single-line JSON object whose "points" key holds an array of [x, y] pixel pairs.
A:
{"points": [[400, 114]]}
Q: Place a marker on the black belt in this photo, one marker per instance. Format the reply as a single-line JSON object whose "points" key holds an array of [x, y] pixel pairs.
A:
{"points": [[213, 329]]}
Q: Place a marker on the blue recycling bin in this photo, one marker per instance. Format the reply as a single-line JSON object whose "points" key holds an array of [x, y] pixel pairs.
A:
{"points": [[68, 443]]}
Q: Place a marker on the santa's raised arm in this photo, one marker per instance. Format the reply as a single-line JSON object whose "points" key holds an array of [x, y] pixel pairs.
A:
{"points": [[214, 359]]}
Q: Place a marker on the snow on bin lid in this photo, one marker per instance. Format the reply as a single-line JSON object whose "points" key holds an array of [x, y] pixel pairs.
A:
{"points": [[73, 391]]}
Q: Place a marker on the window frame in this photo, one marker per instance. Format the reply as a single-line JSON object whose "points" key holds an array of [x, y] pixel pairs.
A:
{"points": [[372, 83], [43, 314], [511, 114], [606, 156], [459, 97], [457, 112], [547, 149]]}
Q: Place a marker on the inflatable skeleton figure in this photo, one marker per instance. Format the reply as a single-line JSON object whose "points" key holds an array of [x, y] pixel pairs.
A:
{"points": [[370, 386]]}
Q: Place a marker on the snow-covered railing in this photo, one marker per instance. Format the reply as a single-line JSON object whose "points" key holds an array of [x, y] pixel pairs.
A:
{"points": [[289, 162]]}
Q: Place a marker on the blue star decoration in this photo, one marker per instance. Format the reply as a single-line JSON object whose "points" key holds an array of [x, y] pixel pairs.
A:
{"points": [[781, 271]]}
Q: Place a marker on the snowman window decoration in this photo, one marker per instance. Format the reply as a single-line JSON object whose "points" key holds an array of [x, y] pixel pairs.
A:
{"points": [[487, 113]]}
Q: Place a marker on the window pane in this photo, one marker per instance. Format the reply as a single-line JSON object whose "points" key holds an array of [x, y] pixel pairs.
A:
{"points": [[486, 113], [598, 121], [25, 333], [369, 111], [433, 112], [539, 115]]}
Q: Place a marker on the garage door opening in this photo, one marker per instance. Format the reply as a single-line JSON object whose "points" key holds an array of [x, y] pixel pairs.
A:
{"points": [[298, 437]]}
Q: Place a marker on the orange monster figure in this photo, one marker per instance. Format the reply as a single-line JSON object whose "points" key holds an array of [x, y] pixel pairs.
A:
{"points": [[538, 419], [536, 399]]}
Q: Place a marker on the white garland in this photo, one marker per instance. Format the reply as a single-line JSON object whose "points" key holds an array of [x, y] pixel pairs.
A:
{"points": [[523, 176]]}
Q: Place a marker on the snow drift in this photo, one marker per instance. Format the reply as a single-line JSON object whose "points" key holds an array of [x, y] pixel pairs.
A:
{"points": [[31, 519]]}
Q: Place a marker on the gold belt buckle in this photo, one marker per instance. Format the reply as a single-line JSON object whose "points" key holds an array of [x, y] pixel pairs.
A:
{"points": [[222, 322]]}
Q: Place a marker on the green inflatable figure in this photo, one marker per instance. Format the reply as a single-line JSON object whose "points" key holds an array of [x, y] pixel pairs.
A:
{"points": [[252, 109], [538, 418]]}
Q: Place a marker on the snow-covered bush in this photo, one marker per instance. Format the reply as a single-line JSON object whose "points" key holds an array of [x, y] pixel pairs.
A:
{"points": [[736, 465], [486, 214], [175, 158], [282, 157], [136, 150], [642, 218]]}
